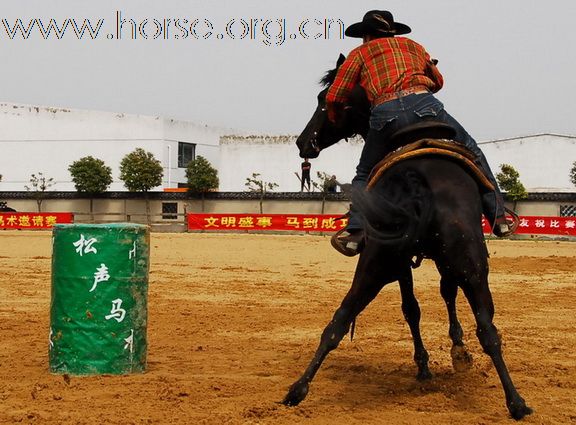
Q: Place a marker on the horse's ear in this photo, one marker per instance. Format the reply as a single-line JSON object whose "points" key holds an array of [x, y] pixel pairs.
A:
{"points": [[341, 60]]}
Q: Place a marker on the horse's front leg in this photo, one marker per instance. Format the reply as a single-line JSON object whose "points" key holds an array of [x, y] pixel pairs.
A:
{"points": [[364, 289], [411, 311]]}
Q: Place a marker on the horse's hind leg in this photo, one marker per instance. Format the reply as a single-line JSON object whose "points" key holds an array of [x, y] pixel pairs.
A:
{"points": [[411, 311], [364, 289], [461, 358], [480, 299]]}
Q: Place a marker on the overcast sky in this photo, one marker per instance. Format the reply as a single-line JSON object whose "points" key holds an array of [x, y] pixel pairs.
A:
{"points": [[508, 64]]}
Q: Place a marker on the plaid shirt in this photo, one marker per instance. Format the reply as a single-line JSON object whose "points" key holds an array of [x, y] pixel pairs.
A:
{"points": [[382, 66]]}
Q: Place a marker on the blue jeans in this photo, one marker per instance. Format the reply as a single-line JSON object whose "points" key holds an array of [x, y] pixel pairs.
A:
{"points": [[389, 117]]}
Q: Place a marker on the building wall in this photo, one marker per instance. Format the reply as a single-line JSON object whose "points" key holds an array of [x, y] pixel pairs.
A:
{"points": [[119, 210], [134, 210], [543, 161], [546, 209], [42, 139], [48, 140], [276, 159]]}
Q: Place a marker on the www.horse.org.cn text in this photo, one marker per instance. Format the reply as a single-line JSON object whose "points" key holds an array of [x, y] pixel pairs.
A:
{"points": [[268, 31]]}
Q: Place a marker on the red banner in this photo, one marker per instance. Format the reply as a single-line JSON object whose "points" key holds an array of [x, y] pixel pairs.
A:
{"points": [[564, 226], [32, 221], [301, 222], [531, 225]]}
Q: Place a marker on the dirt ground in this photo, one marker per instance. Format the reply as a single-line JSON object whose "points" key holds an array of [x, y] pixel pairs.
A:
{"points": [[234, 319]]}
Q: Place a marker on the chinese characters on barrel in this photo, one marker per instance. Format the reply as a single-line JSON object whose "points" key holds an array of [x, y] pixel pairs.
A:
{"points": [[85, 246]]}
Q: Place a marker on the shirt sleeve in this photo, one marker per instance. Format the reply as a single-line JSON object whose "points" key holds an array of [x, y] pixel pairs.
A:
{"points": [[347, 77], [434, 74]]}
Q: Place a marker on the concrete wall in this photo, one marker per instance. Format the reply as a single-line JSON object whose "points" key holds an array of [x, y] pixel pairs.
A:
{"points": [[550, 209], [133, 210], [118, 210], [36, 139]]}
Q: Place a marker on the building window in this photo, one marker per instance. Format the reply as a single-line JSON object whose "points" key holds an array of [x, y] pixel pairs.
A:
{"points": [[567, 210], [169, 210], [186, 153]]}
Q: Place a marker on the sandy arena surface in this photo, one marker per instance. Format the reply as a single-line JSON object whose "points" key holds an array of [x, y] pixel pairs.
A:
{"points": [[234, 319]]}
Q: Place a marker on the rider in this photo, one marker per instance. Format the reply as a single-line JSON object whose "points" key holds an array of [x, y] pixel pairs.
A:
{"points": [[399, 78]]}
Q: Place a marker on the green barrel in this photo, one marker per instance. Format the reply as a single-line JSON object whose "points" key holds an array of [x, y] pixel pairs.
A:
{"points": [[98, 310]]}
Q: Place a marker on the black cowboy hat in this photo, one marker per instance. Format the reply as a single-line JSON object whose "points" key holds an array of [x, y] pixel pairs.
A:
{"points": [[377, 22]]}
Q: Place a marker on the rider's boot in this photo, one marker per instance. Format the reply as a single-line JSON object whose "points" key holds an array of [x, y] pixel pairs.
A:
{"points": [[495, 213], [349, 242]]}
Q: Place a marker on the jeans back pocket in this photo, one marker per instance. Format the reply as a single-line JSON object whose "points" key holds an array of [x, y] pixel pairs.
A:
{"points": [[429, 109]]}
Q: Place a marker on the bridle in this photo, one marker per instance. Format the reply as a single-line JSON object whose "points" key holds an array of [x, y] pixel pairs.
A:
{"points": [[322, 123]]}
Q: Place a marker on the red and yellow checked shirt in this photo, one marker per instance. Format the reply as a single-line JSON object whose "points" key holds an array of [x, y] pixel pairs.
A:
{"points": [[382, 66]]}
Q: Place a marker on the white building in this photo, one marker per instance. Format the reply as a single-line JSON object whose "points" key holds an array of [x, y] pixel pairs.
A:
{"points": [[276, 159], [40, 139], [543, 161]]}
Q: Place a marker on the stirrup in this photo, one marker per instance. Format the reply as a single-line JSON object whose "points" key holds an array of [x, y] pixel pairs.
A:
{"points": [[348, 245], [515, 220], [507, 227]]}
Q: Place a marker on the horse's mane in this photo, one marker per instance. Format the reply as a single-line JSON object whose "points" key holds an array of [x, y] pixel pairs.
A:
{"points": [[328, 78]]}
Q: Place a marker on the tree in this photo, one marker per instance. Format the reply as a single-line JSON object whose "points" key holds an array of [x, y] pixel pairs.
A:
{"points": [[572, 174], [327, 185], [509, 181], [201, 176], [140, 172], [256, 184], [91, 176], [39, 184]]}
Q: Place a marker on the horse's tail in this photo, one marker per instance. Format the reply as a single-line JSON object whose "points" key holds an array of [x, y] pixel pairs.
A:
{"points": [[396, 210]]}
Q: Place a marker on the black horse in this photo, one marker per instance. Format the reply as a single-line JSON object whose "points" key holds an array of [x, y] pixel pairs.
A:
{"points": [[422, 207]]}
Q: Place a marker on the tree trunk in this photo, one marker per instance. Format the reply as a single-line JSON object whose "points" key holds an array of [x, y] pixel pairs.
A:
{"points": [[261, 202]]}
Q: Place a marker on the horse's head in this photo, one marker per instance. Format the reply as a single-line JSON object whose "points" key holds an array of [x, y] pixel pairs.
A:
{"points": [[321, 133]]}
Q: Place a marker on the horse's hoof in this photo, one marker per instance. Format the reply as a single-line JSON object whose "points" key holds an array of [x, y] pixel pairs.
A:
{"points": [[296, 394], [519, 410], [424, 375], [461, 358]]}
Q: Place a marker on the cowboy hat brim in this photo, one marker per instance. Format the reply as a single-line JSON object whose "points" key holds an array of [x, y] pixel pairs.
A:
{"points": [[360, 29]]}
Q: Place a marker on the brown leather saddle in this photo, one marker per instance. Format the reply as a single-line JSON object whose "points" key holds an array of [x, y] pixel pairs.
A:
{"points": [[429, 138]]}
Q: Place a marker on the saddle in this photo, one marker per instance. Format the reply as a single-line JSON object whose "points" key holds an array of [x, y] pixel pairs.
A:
{"points": [[429, 138]]}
